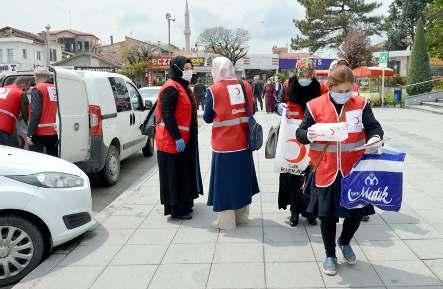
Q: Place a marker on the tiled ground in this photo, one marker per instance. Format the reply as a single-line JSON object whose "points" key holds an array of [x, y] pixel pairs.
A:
{"points": [[135, 247]]}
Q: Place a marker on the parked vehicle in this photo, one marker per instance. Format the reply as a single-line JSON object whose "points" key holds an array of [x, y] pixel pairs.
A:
{"points": [[100, 117], [44, 202], [150, 93]]}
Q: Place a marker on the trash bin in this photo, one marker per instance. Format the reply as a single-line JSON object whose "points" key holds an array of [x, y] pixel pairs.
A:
{"points": [[397, 94]]}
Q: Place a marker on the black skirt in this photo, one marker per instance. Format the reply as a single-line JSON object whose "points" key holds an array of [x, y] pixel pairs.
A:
{"points": [[325, 202], [180, 180], [290, 192]]}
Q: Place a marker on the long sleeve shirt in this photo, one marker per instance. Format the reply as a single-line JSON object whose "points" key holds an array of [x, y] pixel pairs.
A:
{"points": [[36, 111], [370, 123]]}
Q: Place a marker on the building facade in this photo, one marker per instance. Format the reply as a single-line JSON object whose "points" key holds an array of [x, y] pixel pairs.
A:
{"points": [[73, 41]]}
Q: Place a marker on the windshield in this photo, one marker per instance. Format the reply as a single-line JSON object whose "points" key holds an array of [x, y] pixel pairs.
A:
{"points": [[149, 93]]}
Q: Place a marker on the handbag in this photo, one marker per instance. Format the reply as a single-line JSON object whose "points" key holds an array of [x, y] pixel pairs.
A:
{"points": [[255, 131], [271, 142], [309, 177]]}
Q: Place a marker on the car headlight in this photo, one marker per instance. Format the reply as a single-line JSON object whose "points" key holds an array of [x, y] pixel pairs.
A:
{"points": [[50, 180]]}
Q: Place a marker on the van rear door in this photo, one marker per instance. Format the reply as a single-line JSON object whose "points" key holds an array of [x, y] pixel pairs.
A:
{"points": [[73, 116]]}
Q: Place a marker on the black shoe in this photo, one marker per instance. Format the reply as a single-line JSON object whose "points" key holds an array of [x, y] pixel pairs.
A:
{"points": [[312, 221], [293, 221], [365, 218], [184, 217]]}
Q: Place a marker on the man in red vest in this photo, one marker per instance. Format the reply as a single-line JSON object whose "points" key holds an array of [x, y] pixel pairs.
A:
{"points": [[10, 97], [42, 130]]}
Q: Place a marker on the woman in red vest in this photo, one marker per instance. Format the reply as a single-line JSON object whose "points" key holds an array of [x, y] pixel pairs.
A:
{"points": [[233, 178], [300, 89], [176, 136], [335, 160]]}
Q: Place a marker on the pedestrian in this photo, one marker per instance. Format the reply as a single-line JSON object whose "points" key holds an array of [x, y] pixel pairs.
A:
{"points": [[257, 88], [200, 93], [333, 160], [301, 88], [233, 179], [176, 138], [42, 130], [269, 94], [10, 98]]}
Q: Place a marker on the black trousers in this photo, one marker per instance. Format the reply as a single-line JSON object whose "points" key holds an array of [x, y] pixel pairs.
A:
{"points": [[4, 138], [50, 143], [328, 232], [260, 100]]}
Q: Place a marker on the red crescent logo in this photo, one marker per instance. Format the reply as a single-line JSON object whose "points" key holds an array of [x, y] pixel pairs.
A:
{"points": [[332, 131], [301, 154], [357, 120], [237, 90]]}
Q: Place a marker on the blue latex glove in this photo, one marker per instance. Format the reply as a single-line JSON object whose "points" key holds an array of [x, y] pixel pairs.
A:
{"points": [[180, 145], [280, 107]]}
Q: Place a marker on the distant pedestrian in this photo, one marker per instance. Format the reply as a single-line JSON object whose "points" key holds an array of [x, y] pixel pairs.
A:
{"points": [[176, 136], [200, 93], [42, 130], [269, 94], [233, 178], [336, 159], [257, 88]]}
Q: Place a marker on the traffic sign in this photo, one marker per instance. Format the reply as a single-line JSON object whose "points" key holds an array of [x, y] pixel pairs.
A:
{"points": [[383, 59]]}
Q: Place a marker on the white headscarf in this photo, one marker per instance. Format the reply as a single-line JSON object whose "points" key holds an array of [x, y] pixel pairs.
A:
{"points": [[222, 69]]}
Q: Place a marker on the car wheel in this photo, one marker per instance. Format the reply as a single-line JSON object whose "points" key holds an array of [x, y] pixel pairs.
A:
{"points": [[148, 149], [111, 170], [21, 248]]}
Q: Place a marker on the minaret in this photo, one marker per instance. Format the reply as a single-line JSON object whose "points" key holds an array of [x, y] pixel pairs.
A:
{"points": [[187, 28]]}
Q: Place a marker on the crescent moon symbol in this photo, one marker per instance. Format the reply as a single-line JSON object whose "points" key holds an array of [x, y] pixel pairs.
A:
{"points": [[301, 154], [237, 90], [332, 131], [357, 120]]}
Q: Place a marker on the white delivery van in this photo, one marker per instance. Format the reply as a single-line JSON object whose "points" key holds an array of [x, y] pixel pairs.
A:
{"points": [[100, 115]]}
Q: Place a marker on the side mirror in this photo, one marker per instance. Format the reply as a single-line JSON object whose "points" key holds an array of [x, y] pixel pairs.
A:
{"points": [[148, 104]]}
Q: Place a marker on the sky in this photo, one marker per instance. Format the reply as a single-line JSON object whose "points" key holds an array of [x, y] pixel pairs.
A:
{"points": [[270, 22]]}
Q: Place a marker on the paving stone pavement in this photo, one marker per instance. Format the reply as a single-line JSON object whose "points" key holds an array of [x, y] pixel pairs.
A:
{"points": [[136, 247]]}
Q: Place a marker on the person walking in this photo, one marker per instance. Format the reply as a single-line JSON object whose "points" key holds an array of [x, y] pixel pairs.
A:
{"points": [[300, 89], [257, 88], [269, 94], [200, 93], [233, 179], [10, 98], [43, 108], [333, 160], [176, 138]]}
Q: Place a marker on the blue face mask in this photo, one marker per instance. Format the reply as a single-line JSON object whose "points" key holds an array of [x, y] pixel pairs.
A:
{"points": [[341, 97], [305, 81]]}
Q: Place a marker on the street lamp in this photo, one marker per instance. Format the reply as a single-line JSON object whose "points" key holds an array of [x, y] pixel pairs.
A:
{"points": [[169, 18], [47, 27]]}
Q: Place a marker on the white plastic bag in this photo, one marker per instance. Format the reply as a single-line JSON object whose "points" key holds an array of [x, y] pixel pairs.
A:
{"points": [[291, 156]]}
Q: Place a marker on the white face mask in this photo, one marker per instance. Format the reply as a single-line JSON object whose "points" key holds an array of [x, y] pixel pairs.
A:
{"points": [[187, 75], [341, 97]]}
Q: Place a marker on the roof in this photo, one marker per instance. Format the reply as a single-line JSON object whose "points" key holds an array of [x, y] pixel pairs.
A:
{"points": [[99, 57], [364, 71], [289, 55], [20, 33], [75, 32]]}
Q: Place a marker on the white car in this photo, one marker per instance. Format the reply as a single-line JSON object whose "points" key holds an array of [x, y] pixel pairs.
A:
{"points": [[44, 202], [150, 93]]}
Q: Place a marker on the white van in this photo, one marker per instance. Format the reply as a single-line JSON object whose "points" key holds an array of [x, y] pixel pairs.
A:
{"points": [[100, 115]]}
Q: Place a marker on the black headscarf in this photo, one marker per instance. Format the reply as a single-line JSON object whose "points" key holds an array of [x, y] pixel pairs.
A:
{"points": [[176, 67], [302, 94]]}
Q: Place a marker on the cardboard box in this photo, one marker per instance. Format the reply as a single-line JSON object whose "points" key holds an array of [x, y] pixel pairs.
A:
{"points": [[331, 131]]}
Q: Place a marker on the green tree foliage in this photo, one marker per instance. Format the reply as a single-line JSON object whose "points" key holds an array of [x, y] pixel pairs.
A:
{"points": [[420, 69], [400, 24], [327, 22], [434, 28]]}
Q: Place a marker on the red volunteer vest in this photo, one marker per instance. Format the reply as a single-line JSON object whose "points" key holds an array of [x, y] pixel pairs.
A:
{"points": [[230, 125], [339, 155], [47, 124], [183, 114], [10, 96]]}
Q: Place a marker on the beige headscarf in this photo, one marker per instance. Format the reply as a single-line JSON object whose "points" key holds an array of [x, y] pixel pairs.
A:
{"points": [[222, 69]]}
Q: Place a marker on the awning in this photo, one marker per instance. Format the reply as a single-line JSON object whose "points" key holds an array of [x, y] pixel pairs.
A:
{"points": [[364, 71]]}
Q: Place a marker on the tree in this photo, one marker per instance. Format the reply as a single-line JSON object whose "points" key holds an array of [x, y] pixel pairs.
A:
{"points": [[396, 29], [327, 22], [434, 28], [400, 24], [420, 69], [232, 44], [356, 48]]}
